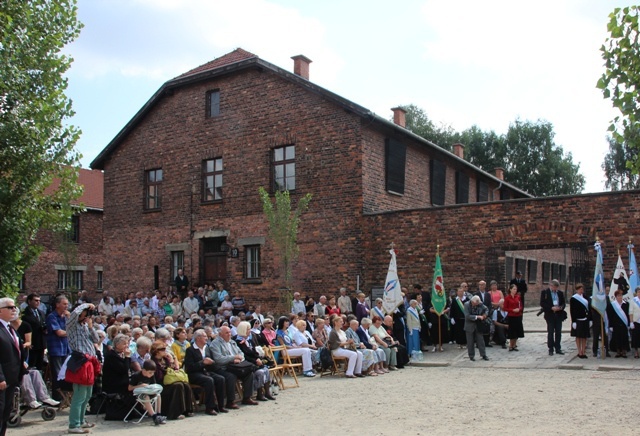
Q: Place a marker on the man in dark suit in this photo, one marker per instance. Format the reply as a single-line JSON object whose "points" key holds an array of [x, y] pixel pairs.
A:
{"points": [[11, 361], [552, 303], [37, 321], [485, 298], [521, 284], [182, 284], [200, 371]]}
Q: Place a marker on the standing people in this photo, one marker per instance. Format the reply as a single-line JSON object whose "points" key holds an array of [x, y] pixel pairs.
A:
{"points": [[57, 343], [598, 330], [414, 327], [37, 320], [618, 314], [475, 313], [634, 322], [553, 305], [82, 338], [362, 308], [297, 305], [457, 317], [182, 284], [513, 306], [521, 283], [485, 298], [11, 358], [579, 310]]}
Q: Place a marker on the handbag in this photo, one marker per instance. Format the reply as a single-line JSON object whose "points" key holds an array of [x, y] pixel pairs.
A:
{"points": [[241, 369], [174, 376]]}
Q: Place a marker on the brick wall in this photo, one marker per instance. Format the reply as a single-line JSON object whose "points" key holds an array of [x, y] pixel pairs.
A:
{"points": [[473, 236]]}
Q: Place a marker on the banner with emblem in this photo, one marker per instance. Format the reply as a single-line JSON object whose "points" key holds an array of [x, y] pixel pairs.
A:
{"points": [[620, 281], [392, 297], [598, 296], [438, 295], [633, 269]]}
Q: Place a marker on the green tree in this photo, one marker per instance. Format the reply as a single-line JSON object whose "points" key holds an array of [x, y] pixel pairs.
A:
{"points": [[619, 176], [36, 145], [621, 78], [283, 227], [417, 121]]}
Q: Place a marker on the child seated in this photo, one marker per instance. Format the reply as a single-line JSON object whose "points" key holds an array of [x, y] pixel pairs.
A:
{"points": [[145, 378]]}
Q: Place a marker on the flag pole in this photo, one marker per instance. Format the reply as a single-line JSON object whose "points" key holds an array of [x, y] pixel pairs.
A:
{"points": [[603, 353]]}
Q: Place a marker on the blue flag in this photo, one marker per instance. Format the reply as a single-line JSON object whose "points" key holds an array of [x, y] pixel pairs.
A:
{"points": [[633, 270], [598, 296]]}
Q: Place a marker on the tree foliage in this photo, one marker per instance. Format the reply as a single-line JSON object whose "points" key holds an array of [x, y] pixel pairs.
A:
{"points": [[621, 78], [619, 175], [283, 226], [528, 153], [36, 146]]}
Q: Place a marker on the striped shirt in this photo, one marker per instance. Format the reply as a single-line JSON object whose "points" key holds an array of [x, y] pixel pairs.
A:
{"points": [[81, 337]]}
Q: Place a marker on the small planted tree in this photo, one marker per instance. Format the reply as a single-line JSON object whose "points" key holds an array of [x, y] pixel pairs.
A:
{"points": [[283, 230]]}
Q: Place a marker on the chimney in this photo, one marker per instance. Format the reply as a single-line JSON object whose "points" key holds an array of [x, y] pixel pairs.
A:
{"points": [[499, 172], [458, 150], [399, 116], [301, 66]]}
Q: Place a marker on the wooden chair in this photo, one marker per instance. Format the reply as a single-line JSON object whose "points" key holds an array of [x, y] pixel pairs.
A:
{"points": [[339, 365], [287, 366], [198, 396], [276, 372]]}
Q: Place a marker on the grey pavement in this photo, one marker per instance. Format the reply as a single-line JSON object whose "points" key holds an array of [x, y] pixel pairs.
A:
{"points": [[533, 353]]}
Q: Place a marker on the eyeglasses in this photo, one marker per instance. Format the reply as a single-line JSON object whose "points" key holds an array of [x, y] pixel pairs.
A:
{"points": [[161, 349], [9, 307]]}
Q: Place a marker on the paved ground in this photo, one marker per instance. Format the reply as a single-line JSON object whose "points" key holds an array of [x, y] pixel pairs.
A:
{"points": [[528, 391], [533, 352]]}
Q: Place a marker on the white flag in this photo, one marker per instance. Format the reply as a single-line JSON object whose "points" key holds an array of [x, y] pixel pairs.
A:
{"points": [[620, 281], [392, 292]]}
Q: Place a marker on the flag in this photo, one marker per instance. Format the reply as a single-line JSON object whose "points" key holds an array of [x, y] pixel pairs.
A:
{"points": [[620, 281], [438, 295], [598, 297], [392, 292], [633, 270]]}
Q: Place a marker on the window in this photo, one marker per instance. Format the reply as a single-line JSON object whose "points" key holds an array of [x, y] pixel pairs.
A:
{"points": [[252, 261], [505, 194], [212, 180], [395, 158], [562, 273], [21, 283], [69, 280], [153, 191], [509, 267], [546, 271], [532, 269], [438, 182], [483, 191], [213, 103], [462, 188], [177, 262], [73, 235], [99, 281], [521, 265], [284, 168], [555, 271]]}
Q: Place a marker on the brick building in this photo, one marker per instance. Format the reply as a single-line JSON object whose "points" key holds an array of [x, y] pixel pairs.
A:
{"points": [[182, 178], [72, 261]]}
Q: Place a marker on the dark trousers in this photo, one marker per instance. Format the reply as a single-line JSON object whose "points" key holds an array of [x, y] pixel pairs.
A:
{"points": [[522, 294], [213, 385], [554, 331], [55, 363], [6, 404], [36, 359], [230, 383], [475, 337], [500, 335]]}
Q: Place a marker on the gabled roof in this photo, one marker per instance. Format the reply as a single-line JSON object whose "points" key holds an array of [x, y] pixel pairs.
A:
{"points": [[230, 58], [93, 194], [239, 60]]}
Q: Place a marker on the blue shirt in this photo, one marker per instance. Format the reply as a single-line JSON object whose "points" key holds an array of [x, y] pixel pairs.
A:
{"points": [[56, 345]]}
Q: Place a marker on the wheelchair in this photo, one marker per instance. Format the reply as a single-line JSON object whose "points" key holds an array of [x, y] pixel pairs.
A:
{"points": [[19, 409]]}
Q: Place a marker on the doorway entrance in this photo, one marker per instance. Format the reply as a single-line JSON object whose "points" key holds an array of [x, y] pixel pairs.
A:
{"points": [[213, 260]]}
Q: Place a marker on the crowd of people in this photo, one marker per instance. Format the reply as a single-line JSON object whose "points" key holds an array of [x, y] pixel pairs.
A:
{"points": [[166, 346]]}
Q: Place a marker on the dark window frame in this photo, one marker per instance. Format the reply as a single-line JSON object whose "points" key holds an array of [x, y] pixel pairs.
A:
{"points": [[482, 191], [286, 163], [99, 280], [212, 107], [252, 265], [532, 271], [546, 272], [215, 189], [69, 278], [462, 187], [73, 235], [158, 177], [438, 182], [395, 159], [177, 262]]}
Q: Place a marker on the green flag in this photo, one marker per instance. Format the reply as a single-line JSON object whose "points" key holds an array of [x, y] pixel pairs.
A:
{"points": [[438, 297]]}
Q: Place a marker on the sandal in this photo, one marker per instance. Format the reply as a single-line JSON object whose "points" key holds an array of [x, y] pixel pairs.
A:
{"points": [[372, 374]]}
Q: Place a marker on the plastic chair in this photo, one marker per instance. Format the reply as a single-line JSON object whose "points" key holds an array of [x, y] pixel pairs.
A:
{"points": [[145, 395]]}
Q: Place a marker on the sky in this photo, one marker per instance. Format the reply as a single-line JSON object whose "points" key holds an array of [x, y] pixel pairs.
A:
{"points": [[464, 62]]}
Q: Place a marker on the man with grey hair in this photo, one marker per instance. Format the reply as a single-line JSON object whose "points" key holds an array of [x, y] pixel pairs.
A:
{"points": [[297, 305], [552, 303], [11, 360], [344, 302], [474, 313], [320, 309]]}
